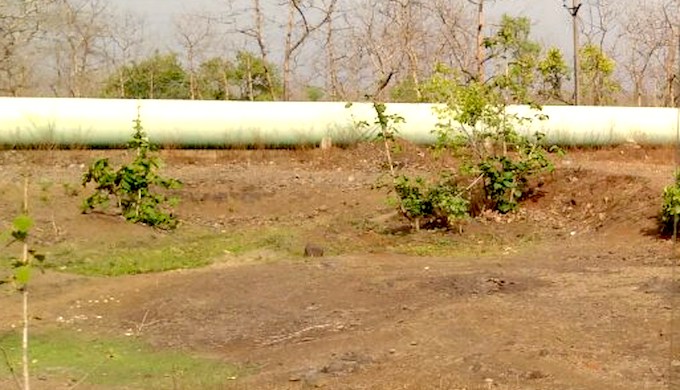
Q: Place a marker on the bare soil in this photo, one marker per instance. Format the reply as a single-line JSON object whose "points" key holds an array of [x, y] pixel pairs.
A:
{"points": [[575, 292]]}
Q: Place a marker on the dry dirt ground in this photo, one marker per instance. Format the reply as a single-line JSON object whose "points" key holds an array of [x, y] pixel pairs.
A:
{"points": [[573, 293]]}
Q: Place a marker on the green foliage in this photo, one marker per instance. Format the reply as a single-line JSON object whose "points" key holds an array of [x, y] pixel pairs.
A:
{"points": [[215, 79], [670, 208], [475, 126], [407, 91], [386, 122], [516, 57], [21, 266], [423, 203], [438, 204], [553, 71], [597, 74], [160, 76], [133, 186], [314, 93], [506, 179], [252, 75]]}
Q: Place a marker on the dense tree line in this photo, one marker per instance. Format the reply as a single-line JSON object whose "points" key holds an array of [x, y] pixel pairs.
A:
{"points": [[335, 50]]}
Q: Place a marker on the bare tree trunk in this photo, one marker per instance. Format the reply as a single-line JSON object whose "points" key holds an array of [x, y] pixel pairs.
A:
{"points": [[672, 74], [293, 45], [151, 85], [195, 35], [480, 41], [80, 28], [249, 80], [21, 25], [333, 82], [122, 45], [577, 82], [638, 91], [408, 34], [288, 51], [259, 37], [225, 85]]}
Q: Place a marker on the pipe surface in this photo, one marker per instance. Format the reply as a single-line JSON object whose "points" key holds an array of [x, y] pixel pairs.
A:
{"points": [[66, 122]]}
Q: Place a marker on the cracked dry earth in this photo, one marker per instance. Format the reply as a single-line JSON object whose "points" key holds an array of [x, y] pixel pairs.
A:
{"points": [[585, 304]]}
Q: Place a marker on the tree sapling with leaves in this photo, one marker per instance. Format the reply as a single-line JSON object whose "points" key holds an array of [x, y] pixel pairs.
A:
{"points": [[20, 276], [134, 186]]}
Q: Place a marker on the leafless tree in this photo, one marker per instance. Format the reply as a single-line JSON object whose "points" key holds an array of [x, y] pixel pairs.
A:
{"points": [[599, 19], [80, 31], [299, 27], [461, 33], [21, 25], [332, 58], [195, 34], [255, 31], [644, 32], [479, 4], [671, 60], [124, 43]]}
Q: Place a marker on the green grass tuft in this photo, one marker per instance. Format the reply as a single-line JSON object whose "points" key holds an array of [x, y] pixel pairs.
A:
{"points": [[177, 250], [114, 363]]}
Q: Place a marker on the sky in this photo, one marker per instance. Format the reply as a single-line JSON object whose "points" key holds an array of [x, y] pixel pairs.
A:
{"points": [[551, 21]]}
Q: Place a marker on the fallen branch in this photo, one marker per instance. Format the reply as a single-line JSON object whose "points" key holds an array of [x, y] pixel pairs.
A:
{"points": [[10, 367], [279, 339]]}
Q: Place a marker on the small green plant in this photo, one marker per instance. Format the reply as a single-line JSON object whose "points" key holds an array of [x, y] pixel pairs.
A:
{"points": [[670, 208], [495, 160], [439, 204], [421, 202], [70, 189], [475, 125], [20, 275], [134, 186]]}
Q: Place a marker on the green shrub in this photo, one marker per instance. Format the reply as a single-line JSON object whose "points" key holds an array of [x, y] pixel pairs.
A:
{"points": [[134, 186], [426, 204], [670, 208], [475, 126]]}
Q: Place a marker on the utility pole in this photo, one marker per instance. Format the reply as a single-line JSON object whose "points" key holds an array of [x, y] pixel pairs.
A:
{"points": [[573, 11]]}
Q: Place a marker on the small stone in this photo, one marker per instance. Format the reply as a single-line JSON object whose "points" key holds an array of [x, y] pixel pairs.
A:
{"points": [[414, 343], [536, 374], [312, 250], [475, 367], [392, 351]]}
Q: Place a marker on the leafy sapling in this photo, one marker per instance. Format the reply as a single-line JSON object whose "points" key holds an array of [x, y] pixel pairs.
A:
{"points": [[19, 277], [475, 125], [134, 187]]}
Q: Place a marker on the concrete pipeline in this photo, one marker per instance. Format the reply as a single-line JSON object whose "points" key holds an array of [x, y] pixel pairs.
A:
{"points": [[67, 122]]}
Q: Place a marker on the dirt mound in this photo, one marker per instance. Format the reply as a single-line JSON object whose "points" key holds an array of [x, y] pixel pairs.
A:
{"points": [[591, 200]]}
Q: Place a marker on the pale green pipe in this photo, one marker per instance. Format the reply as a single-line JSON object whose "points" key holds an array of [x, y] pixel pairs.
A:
{"points": [[67, 122]]}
